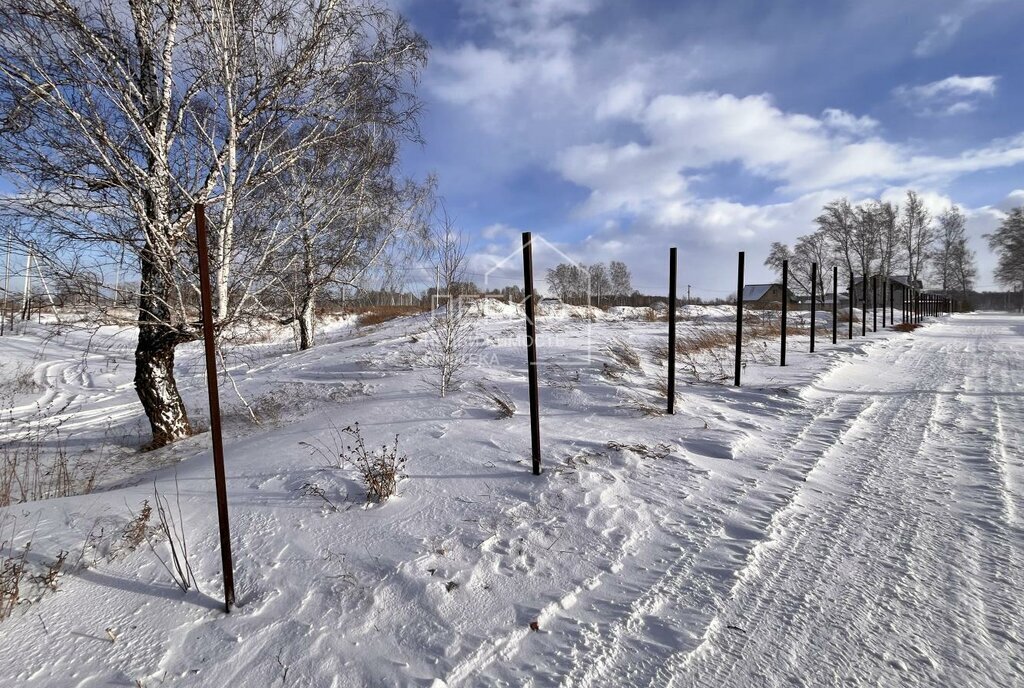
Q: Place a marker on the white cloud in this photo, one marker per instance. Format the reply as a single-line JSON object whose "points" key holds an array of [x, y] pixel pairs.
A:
{"points": [[475, 75], [948, 25], [950, 96], [627, 121], [946, 29], [1014, 199], [685, 135], [843, 121], [623, 99]]}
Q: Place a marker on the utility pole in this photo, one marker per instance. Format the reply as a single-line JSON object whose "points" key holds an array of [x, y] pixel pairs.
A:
{"points": [[7, 282], [117, 278], [28, 286]]}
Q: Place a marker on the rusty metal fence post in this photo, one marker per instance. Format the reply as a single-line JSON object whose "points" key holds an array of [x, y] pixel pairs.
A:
{"points": [[220, 478]]}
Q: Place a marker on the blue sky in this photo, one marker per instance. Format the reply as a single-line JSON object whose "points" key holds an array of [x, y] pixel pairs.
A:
{"points": [[617, 129]]}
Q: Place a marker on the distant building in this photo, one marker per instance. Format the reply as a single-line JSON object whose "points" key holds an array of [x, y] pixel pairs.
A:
{"points": [[766, 296], [899, 282]]}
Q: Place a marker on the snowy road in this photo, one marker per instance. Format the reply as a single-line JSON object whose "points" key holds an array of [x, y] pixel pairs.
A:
{"points": [[882, 543]]}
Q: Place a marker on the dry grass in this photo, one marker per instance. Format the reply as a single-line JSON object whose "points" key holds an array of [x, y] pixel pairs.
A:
{"points": [[381, 314], [641, 404], [30, 473], [623, 353], [18, 378], [906, 327], [704, 340], [503, 404], [658, 451]]}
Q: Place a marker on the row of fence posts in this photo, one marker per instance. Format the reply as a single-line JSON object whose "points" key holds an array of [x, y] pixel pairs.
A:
{"points": [[915, 307]]}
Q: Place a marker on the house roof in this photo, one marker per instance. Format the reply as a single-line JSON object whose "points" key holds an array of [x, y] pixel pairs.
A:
{"points": [[755, 292]]}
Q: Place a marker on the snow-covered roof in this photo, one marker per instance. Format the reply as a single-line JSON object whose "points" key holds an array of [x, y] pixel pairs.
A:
{"points": [[755, 292]]}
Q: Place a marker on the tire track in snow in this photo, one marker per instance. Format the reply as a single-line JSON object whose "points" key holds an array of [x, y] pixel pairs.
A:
{"points": [[883, 550], [719, 526]]}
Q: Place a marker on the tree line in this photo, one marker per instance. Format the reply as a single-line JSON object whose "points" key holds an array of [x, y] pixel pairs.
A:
{"points": [[885, 239], [576, 281]]}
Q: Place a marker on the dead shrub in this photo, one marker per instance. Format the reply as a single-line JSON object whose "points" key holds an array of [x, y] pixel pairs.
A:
{"points": [[12, 570], [314, 490], [379, 469], [47, 580], [173, 531], [138, 528]]}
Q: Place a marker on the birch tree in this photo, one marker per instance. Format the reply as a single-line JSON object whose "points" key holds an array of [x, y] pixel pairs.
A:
{"points": [[950, 247], [865, 237], [917, 235], [451, 330], [116, 119], [888, 227], [836, 224]]}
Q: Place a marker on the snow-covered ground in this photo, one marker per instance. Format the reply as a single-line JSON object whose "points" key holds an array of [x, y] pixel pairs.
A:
{"points": [[852, 518]]}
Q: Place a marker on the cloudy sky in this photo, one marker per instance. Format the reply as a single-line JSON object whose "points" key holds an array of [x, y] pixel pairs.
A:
{"points": [[616, 129]]}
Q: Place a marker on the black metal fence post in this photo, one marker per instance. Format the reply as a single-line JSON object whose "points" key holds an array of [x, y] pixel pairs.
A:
{"points": [[851, 305], [835, 302], [814, 303], [672, 330], [892, 303], [885, 285], [531, 350], [874, 303], [864, 307], [220, 478], [785, 311], [739, 320]]}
